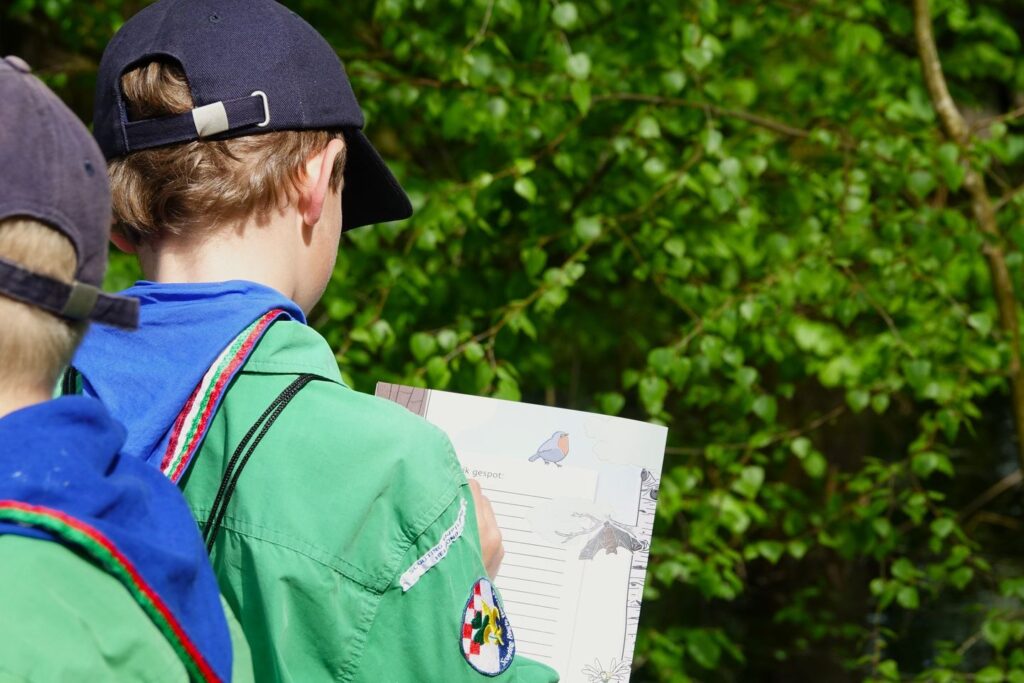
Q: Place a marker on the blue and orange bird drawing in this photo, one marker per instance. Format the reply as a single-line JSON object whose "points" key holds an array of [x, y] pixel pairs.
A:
{"points": [[553, 450]]}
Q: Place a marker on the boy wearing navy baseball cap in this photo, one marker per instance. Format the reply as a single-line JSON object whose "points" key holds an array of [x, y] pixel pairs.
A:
{"points": [[341, 527], [104, 575]]}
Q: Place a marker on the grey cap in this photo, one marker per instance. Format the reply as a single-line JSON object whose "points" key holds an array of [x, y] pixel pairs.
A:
{"points": [[52, 171]]}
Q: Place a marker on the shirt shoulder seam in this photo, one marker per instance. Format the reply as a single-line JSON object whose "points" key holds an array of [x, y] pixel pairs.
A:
{"points": [[263, 534]]}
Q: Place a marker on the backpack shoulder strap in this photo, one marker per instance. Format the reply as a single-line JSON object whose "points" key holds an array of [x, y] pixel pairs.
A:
{"points": [[248, 445], [70, 383]]}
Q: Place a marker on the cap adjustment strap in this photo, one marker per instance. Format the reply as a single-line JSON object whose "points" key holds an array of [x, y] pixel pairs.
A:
{"points": [[72, 301], [81, 301], [201, 122], [210, 119]]}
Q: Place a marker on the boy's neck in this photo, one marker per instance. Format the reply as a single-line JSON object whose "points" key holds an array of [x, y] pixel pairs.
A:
{"points": [[246, 251], [16, 399]]}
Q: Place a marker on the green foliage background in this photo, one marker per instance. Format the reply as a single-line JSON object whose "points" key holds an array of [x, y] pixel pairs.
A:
{"points": [[739, 219]]}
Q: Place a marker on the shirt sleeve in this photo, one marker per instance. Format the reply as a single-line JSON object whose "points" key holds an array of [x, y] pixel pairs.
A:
{"points": [[420, 624]]}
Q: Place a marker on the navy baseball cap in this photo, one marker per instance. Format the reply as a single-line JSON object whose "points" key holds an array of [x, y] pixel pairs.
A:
{"points": [[253, 66], [52, 171]]}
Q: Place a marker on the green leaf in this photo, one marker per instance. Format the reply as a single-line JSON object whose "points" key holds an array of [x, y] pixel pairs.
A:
{"points": [[565, 15], [961, 577], [996, 632], [882, 527], [982, 322], [797, 548], [858, 399], [611, 403], [917, 372], [474, 352], [904, 570], [580, 93], [756, 165], [749, 481], [675, 246], [648, 128], [674, 81], [587, 228], [703, 648], [447, 339], [924, 464], [525, 188], [438, 372], [712, 140], [652, 393], [943, 527], [889, 670], [771, 550], [730, 167], [534, 259], [578, 66], [815, 465], [990, 674], [699, 56], [921, 183], [765, 407], [422, 345], [907, 597]]}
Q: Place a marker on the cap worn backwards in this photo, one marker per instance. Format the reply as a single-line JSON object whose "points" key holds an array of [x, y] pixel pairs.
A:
{"points": [[51, 171], [253, 66]]}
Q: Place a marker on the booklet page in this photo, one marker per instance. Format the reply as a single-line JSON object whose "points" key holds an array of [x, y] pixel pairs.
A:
{"points": [[574, 494]]}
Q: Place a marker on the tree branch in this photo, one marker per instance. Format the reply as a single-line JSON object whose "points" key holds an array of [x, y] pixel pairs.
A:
{"points": [[1008, 197], [657, 100], [981, 206], [749, 117], [999, 488], [1012, 115]]}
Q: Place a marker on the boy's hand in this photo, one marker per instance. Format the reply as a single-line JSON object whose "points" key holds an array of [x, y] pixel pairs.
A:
{"points": [[490, 534]]}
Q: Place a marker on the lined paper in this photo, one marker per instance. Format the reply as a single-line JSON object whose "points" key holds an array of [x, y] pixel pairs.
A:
{"points": [[539, 581]]}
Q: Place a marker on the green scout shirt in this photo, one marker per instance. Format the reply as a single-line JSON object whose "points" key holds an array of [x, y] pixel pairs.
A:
{"points": [[63, 619], [343, 494]]}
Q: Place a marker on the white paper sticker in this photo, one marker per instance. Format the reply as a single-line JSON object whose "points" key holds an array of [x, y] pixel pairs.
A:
{"points": [[435, 554]]}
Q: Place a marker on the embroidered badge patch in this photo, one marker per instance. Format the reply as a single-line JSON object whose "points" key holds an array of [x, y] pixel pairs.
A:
{"points": [[487, 641]]}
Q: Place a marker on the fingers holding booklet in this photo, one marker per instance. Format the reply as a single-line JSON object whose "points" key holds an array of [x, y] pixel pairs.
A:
{"points": [[490, 534], [572, 496]]}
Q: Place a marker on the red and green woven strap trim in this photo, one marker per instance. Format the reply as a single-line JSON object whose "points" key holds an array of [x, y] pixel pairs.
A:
{"points": [[105, 553], [197, 414]]}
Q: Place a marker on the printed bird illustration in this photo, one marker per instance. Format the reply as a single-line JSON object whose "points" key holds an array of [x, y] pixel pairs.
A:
{"points": [[553, 450]]}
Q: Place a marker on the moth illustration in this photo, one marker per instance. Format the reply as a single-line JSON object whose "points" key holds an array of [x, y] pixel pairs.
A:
{"points": [[607, 535], [616, 671]]}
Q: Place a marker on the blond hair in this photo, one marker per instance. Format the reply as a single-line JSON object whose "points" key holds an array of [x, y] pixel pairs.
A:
{"points": [[181, 188], [35, 345]]}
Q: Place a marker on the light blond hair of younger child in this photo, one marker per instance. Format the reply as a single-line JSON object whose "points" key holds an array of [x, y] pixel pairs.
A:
{"points": [[35, 346]]}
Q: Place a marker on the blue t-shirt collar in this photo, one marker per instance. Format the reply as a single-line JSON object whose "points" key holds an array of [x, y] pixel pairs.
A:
{"points": [[144, 377]]}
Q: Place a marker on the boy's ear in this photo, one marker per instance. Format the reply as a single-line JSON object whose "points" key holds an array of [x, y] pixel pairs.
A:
{"points": [[123, 243], [318, 180]]}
